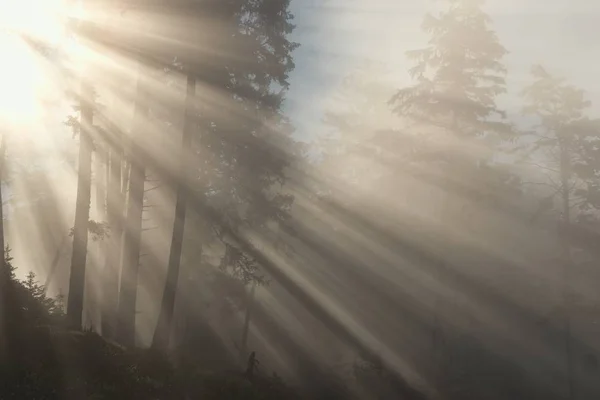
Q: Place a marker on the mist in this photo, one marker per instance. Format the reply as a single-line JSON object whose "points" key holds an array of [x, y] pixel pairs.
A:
{"points": [[300, 199]]}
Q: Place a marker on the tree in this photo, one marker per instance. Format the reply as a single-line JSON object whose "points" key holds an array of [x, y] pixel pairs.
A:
{"points": [[452, 110], [586, 167], [242, 140], [101, 249], [132, 234], [5, 271], [564, 143], [239, 270], [250, 151], [246, 328], [82, 208], [248, 167], [115, 214], [458, 77], [3, 145], [163, 329]]}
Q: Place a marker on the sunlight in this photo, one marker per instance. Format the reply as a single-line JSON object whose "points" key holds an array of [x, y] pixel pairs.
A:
{"points": [[221, 203], [38, 18], [20, 79], [24, 78]]}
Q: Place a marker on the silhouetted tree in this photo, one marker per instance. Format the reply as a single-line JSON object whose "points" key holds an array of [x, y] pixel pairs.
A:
{"points": [[82, 209], [115, 203], [162, 333], [133, 219], [452, 109], [563, 143], [242, 140], [3, 145], [453, 102], [5, 273]]}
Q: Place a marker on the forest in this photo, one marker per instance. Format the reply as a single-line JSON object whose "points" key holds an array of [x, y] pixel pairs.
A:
{"points": [[210, 199]]}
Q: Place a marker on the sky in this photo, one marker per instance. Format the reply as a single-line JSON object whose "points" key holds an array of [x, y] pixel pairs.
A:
{"points": [[337, 35]]}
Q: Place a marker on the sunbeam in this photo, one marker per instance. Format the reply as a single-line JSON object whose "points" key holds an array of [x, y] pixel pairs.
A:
{"points": [[299, 199], [43, 19]]}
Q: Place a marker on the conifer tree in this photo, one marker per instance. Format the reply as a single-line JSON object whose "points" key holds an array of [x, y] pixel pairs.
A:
{"points": [[240, 139], [452, 112], [564, 143], [452, 103], [82, 209]]}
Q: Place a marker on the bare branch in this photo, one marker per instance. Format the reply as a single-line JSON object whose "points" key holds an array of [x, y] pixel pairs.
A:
{"points": [[540, 184], [153, 188], [542, 167]]}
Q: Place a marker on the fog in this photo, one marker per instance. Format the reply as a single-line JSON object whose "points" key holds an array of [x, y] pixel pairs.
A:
{"points": [[381, 199]]}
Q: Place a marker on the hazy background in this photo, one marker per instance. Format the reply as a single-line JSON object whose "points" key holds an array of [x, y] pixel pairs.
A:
{"points": [[337, 36]]}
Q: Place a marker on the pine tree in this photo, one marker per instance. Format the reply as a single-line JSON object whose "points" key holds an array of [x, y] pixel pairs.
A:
{"points": [[162, 333], [82, 209], [132, 228], [252, 159], [452, 113], [563, 142], [5, 270], [242, 139], [115, 215], [250, 150], [452, 104], [3, 145], [586, 166]]}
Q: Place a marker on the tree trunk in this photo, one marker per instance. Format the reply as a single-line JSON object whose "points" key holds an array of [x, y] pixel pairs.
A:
{"points": [[93, 291], [2, 177], [100, 181], [114, 252], [100, 165], [564, 237], [82, 211], [54, 264], [133, 222], [125, 170], [4, 272], [439, 339], [162, 333], [245, 331]]}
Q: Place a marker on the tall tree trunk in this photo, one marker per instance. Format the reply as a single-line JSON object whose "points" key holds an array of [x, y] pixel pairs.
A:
{"points": [[114, 252], [133, 221], [100, 181], [93, 291], [125, 170], [246, 329], [5, 337], [564, 237], [82, 211], [439, 339], [54, 264], [162, 332], [2, 177]]}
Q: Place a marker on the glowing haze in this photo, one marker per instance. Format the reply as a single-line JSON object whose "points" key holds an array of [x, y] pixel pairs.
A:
{"points": [[376, 244]]}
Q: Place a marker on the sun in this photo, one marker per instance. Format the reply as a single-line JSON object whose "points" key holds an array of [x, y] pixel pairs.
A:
{"points": [[24, 76], [39, 18]]}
